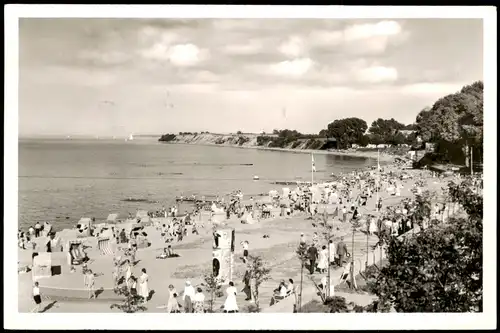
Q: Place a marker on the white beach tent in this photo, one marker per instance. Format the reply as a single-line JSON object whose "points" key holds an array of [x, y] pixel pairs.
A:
{"points": [[83, 227]]}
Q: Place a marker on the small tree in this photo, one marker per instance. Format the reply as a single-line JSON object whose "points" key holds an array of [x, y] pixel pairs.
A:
{"points": [[132, 302], [213, 287], [355, 224], [440, 268], [326, 233], [302, 255], [259, 272]]}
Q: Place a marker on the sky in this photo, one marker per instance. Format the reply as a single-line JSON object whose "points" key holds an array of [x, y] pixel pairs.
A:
{"points": [[155, 76]]}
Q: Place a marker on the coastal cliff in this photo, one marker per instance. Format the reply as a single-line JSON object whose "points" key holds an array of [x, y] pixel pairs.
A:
{"points": [[249, 140], [269, 142]]}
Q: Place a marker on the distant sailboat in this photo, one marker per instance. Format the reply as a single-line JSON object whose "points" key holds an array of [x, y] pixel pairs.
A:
{"points": [[68, 137], [131, 137]]}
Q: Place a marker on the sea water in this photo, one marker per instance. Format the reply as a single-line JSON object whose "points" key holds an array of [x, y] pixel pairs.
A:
{"points": [[63, 180]]}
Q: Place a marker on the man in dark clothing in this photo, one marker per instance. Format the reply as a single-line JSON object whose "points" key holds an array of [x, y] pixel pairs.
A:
{"points": [[247, 288], [341, 251], [38, 229], [312, 254], [123, 236]]}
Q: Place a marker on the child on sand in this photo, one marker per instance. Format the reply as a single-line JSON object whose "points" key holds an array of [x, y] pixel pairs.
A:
{"points": [[36, 297]]}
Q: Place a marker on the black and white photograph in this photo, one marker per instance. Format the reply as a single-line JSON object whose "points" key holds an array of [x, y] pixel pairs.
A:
{"points": [[225, 162]]}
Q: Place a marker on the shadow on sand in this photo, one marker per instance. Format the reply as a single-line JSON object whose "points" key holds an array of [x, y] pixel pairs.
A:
{"points": [[48, 306], [151, 293], [98, 292]]}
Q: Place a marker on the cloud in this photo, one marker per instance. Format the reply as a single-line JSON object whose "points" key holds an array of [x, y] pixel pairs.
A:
{"points": [[253, 46], [364, 31], [64, 76], [214, 57], [358, 39], [186, 55], [292, 68], [178, 55], [324, 37], [377, 74], [104, 58], [293, 47]]}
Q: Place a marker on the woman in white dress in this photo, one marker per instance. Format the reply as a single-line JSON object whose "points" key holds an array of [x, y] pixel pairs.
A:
{"points": [[173, 304], [323, 259], [230, 305], [373, 226], [143, 286]]}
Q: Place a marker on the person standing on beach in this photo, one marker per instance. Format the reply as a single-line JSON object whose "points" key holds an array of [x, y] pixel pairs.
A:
{"points": [[188, 297], [302, 239], [133, 285], [194, 229], [373, 226], [38, 229], [89, 281], [199, 301], [143, 286], [245, 251], [341, 251], [323, 259], [344, 214], [230, 305], [247, 289], [36, 297], [312, 254], [173, 303], [333, 252]]}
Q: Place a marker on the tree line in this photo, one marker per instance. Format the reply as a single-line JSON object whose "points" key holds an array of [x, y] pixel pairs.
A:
{"points": [[454, 124]]}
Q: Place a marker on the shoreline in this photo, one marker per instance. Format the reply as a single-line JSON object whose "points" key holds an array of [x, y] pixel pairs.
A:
{"points": [[360, 154], [177, 270]]}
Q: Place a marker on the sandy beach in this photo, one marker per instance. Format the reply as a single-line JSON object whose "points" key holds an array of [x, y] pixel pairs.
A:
{"points": [[65, 292]]}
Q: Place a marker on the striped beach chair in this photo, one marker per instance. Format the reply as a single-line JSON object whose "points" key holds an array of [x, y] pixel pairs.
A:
{"points": [[104, 246]]}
